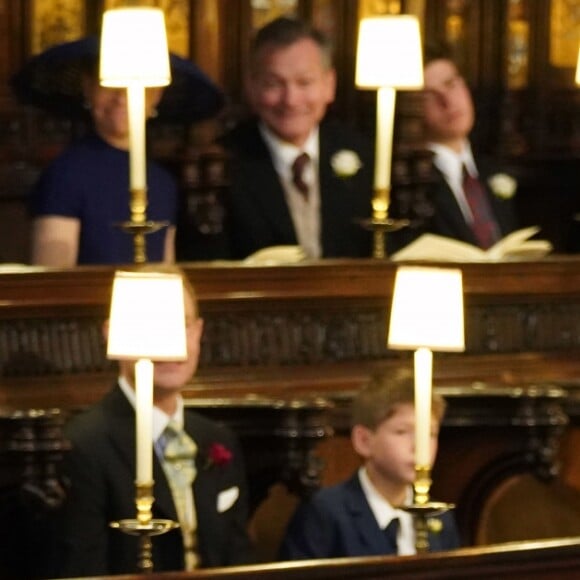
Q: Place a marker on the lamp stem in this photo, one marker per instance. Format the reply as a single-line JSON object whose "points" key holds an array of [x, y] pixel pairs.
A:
{"points": [[423, 380], [136, 115], [383, 151], [144, 421], [137, 168]]}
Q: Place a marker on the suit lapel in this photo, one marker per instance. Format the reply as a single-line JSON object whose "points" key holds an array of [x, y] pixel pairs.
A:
{"points": [[328, 185], [364, 520], [204, 488], [267, 189], [164, 504], [502, 209], [446, 205], [122, 419]]}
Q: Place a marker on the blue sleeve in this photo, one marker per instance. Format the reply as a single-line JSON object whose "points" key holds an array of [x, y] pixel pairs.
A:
{"points": [[310, 533], [58, 191]]}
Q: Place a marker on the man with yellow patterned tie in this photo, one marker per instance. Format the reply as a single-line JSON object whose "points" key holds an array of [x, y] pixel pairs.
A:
{"points": [[198, 471]]}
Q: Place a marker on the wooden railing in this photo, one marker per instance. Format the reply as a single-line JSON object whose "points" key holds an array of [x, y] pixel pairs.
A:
{"points": [[549, 560], [326, 321], [285, 348]]}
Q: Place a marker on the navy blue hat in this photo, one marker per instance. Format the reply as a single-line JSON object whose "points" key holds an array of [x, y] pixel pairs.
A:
{"points": [[51, 81]]}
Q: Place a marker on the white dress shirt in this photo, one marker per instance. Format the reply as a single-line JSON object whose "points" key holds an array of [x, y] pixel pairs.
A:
{"points": [[305, 212], [451, 164], [160, 419], [384, 512]]}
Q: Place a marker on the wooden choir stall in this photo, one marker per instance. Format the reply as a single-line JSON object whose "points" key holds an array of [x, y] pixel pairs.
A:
{"points": [[283, 351]]}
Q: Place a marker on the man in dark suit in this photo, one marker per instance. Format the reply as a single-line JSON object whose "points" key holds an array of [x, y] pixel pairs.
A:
{"points": [[470, 200], [362, 516], [298, 178], [101, 468]]}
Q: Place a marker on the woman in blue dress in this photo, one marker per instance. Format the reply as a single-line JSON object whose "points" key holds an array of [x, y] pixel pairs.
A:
{"points": [[82, 197]]}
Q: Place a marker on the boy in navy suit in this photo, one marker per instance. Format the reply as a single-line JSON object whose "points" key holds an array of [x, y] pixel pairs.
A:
{"points": [[361, 516]]}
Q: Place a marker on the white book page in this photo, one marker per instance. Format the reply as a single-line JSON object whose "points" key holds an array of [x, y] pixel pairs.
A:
{"points": [[511, 242], [439, 248], [431, 247]]}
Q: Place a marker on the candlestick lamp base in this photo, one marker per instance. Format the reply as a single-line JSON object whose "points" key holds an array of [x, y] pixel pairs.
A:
{"points": [[422, 508], [138, 230], [144, 526], [421, 518], [380, 227], [154, 527]]}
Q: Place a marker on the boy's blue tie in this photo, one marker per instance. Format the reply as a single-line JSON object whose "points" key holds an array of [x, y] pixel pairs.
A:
{"points": [[391, 532]]}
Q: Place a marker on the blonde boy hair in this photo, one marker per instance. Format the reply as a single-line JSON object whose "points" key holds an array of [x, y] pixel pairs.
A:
{"points": [[379, 399]]}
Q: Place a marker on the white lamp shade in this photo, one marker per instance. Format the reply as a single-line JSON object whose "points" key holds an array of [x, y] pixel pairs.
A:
{"points": [[578, 68], [389, 53], [427, 309], [134, 48], [147, 318]]}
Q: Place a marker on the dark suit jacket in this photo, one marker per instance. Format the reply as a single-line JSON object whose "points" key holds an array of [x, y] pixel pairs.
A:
{"points": [[101, 468], [257, 213], [338, 522], [448, 220]]}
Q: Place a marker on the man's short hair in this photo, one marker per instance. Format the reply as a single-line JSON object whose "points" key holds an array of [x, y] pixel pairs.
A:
{"points": [[379, 399], [441, 50], [284, 31]]}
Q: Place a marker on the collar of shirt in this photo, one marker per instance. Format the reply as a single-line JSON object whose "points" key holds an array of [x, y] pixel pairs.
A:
{"points": [[384, 512], [451, 163], [284, 154], [305, 213], [160, 419]]}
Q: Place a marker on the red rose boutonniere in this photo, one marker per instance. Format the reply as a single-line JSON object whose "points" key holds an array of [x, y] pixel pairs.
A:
{"points": [[219, 455]]}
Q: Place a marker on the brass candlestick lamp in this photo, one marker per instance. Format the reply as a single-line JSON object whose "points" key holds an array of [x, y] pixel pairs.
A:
{"points": [[139, 226], [389, 57], [144, 526], [134, 55], [147, 319], [426, 315]]}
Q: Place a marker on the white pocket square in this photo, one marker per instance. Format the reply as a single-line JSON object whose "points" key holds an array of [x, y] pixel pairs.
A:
{"points": [[227, 498]]}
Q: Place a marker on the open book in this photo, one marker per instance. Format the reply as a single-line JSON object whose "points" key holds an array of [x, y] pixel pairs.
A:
{"points": [[276, 255], [515, 246]]}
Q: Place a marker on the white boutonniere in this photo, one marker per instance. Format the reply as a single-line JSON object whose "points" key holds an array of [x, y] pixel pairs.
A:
{"points": [[503, 185], [345, 163]]}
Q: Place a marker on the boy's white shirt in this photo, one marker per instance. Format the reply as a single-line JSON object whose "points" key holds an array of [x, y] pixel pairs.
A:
{"points": [[384, 512]]}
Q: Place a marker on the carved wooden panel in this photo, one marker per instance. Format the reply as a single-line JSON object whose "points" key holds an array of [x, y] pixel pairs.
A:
{"points": [[261, 322], [300, 334]]}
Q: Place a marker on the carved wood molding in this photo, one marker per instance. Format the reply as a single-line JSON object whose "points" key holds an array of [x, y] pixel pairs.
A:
{"points": [[308, 333], [317, 326]]}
